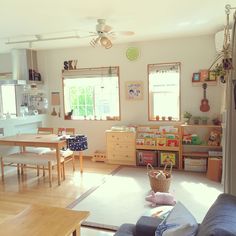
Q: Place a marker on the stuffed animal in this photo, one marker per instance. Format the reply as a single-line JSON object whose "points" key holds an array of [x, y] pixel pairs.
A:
{"points": [[160, 198], [161, 175], [214, 138]]}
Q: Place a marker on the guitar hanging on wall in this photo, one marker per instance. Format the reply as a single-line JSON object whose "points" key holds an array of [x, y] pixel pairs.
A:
{"points": [[204, 107]]}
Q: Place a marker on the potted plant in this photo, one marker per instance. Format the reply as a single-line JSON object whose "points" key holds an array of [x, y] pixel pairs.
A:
{"points": [[187, 117], [216, 121], [204, 120], [196, 120]]}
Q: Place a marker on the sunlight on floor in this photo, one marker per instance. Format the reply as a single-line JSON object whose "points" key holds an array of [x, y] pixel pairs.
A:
{"points": [[200, 192], [94, 232]]}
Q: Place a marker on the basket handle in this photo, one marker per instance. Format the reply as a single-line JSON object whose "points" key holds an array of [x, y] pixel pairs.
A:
{"points": [[168, 163], [149, 167]]}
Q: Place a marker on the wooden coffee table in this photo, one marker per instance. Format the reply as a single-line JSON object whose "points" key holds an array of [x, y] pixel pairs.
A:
{"points": [[39, 220]]}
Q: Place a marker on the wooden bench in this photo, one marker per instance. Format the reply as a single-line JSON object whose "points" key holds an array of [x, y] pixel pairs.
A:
{"points": [[31, 160]]}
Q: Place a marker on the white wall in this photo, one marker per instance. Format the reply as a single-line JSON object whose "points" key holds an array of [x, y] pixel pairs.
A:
{"points": [[5, 63], [193, 53]]}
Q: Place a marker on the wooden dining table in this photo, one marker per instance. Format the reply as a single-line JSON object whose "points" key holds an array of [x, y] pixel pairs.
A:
{"points": [[43, 220], [37, 140]]}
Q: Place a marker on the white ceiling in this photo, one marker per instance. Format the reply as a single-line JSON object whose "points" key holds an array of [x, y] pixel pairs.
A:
{"points": [[150, 19]]}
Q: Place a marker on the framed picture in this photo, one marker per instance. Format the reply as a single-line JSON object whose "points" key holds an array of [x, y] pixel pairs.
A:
{"points": [[204, 75], [134, 90], [196, 77], [212, 76]]}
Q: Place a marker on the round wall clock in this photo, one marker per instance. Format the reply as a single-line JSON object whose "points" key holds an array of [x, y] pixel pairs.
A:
{"points": [[132, 53]]}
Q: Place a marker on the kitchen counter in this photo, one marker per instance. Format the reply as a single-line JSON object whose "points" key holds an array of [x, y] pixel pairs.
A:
{"points": [[17, 125], [14, 125]]}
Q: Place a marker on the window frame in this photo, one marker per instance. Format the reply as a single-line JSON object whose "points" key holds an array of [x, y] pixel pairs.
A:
{"points": [[64, 75], [150, 99], [1, 100]]}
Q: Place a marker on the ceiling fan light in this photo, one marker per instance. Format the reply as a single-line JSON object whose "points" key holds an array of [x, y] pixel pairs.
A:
{"points": [[108, 45], [104, 41]]}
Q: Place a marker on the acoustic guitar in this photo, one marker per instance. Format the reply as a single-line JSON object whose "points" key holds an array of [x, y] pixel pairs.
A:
{"points": [[204, 107]]}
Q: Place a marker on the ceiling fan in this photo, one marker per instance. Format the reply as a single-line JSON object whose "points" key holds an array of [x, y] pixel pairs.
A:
{"points": [[104, 34]]}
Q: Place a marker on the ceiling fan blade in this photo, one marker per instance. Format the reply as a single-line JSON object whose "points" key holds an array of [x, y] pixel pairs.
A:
{"points": [[107, 28], [125, 33], [94, 42], [88, 36]]}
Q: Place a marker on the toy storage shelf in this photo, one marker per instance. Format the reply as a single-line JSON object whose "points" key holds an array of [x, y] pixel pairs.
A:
{"points": [[161, 138], [199, 150], [165, 148]]}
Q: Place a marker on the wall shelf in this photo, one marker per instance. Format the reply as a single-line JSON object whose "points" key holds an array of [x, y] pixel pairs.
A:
{"points": [[201, 126], [202, 146], [196, 154]]}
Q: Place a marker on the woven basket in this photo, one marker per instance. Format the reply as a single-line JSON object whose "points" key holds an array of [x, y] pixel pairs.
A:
{"points": [[159, 185]]}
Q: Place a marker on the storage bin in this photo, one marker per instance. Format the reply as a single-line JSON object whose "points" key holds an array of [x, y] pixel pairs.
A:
{"points": [[195, 164], [166, 157], [160, 185], [146, 157], [214, 170], [77, 143]]}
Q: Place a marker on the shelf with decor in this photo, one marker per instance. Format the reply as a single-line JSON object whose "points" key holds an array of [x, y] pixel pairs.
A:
{"points": [[164, 141], [195, 154], [202, 146], [199, 142]]}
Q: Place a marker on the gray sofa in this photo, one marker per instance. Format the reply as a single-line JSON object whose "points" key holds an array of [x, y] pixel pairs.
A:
{"points": [[220, 220]]}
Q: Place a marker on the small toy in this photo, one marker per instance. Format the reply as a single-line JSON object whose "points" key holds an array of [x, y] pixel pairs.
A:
{"points": [[187, 139], [160, 198], [161, 141], [161, 175], [214, 138], [172, 142], [196, 140], [99, 156]]}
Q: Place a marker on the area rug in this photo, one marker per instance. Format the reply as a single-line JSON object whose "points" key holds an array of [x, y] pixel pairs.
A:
{"points": [[121, 197]]}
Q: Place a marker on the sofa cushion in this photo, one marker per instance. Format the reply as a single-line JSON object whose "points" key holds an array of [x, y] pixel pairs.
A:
{"points": [[180, 222], [220, 219], [126, 230], [147, 225]]}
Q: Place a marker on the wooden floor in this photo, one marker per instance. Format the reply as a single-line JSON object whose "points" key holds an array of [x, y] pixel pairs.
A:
{"points": [[17, 192]]}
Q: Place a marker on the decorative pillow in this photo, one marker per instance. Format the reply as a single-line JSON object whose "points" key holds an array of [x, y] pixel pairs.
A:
{"points": [[180, 222]]}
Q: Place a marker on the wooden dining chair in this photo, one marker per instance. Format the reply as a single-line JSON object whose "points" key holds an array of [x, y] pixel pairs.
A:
{"points": [[69, 131], [66, 154], [45, 130]]}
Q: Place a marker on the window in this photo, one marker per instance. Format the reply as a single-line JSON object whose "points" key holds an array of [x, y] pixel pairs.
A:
{"points": [[164, 91], [7, 99], [92, 94]]}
